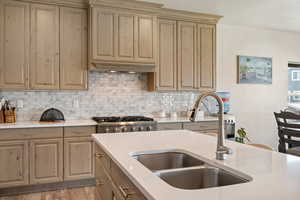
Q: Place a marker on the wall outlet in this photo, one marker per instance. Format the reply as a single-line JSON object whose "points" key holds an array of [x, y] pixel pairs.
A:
{"points": [[20, 104], [75, 103]]}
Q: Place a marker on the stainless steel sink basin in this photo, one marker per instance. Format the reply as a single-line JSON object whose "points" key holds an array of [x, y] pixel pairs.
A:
{"points": [[184, 171], [200, 178], [167, 160]]}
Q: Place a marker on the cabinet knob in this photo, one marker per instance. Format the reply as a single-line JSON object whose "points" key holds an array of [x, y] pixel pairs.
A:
{"points": [[99, 182], [99, 155]]}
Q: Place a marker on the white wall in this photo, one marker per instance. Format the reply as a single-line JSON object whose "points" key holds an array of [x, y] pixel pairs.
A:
{"points": [[254, 105]]}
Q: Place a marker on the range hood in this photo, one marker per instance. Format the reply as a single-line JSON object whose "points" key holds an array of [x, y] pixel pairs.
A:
{"points": [[109, 67]]}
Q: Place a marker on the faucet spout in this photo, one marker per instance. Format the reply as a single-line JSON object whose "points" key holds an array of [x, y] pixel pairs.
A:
{"points": [[222, 150]]}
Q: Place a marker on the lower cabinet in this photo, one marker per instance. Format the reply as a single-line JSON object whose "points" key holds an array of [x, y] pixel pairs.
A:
{"points": [[113, 184], [13, 163], [46, 155], [46, 161], [78, 158]]}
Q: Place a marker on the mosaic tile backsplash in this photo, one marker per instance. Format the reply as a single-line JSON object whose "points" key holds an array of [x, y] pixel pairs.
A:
{"points": [[109, 94]]}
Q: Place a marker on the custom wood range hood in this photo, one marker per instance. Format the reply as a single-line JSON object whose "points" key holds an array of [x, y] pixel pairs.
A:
{"points": [[123, 35]]}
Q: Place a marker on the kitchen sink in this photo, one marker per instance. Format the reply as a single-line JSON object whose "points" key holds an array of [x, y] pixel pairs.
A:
{"points": [[167, 160], [200, 178], [187, 172]]}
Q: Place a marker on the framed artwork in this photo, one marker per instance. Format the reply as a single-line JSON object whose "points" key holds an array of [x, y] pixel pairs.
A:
{"points": [[254, 70]]}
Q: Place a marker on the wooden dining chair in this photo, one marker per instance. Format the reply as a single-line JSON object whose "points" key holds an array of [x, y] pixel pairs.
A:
{"points": [[289, 132]]}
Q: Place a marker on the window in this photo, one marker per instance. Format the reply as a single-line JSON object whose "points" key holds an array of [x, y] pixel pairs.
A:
{"points": [[296, 75], [294, 85]]}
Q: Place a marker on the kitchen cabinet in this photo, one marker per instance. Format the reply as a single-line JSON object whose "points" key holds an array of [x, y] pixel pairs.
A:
{"points": [[44, 62], [206, 57], [46, 161], [78, 158], [73, 49], [30, 156], [122, 36], [49, 42], [14, 163], [167, 59], [103, 183], [14, 45], [112, 183], [187, 56]]}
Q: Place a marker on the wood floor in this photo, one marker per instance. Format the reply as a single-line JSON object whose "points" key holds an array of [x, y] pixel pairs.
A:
{"points": [[86, 193]]}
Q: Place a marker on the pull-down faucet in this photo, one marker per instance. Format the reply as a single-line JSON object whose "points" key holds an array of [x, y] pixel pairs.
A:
{"points": [[222, 150]]}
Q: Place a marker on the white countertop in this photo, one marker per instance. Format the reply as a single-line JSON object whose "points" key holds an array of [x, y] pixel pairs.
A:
{"points": [[186, 119], [275, 176], [37, 124]]}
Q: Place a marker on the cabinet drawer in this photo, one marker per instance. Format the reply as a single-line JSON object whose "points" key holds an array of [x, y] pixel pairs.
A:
{"points": [[124, 185], [30, 133], [169, 126], [201, 126], [102, 159], [80, 131]]}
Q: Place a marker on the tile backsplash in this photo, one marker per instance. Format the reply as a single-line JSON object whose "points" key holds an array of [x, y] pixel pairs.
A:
{"points": [[109, 94]]}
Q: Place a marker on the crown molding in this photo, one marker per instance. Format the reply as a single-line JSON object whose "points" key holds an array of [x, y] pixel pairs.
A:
{"points": [[69, 3], [189, 16]]}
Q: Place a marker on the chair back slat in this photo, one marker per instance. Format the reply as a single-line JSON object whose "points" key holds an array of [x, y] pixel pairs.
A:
{"points": [[288, 130]]}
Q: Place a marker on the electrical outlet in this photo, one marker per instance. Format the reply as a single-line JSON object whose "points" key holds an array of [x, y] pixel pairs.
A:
{"points": [[75, 103], [20, 104]]}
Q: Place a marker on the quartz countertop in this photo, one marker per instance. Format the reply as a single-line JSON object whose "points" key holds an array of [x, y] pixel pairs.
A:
{"points": [[275, 176], [37, 124], [186, 119]]}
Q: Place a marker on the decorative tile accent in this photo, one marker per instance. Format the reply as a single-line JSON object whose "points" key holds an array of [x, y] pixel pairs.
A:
{"points": [[109, 94]]}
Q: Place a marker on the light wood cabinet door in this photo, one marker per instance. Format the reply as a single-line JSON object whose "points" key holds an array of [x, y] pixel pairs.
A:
{"points": [[73, 49], [104, 186], [103, 34], [44, 63], [78, 158], [145, 38], [126, 36], [187, 56], [167, 60], [14, 164], [14, 44], [206, 56], [46, 161]]}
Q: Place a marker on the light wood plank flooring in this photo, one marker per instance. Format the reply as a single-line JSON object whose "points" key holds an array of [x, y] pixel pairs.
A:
{"points": [[86, 193]]}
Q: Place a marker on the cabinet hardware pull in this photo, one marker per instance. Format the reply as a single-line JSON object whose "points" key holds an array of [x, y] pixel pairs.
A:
{"points": [[99, 183], [125, 192], [99, 155]]}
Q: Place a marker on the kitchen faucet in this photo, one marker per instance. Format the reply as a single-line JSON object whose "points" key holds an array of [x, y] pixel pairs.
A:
{"points": [[222, 150]]}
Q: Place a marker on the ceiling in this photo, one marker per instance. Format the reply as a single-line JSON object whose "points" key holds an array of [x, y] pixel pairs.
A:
{"points": [[272, 14]]}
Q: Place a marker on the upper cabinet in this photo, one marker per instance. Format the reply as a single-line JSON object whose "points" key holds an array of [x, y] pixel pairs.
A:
{"points": [[186, 52], [73, 49], [122, 37], [207, 56], [14, 44], [187, 56], [42, 46], [44, 61], [167, 58]]}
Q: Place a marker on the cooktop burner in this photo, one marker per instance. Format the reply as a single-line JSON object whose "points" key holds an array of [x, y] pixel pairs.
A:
{"points": [[122, 119]]}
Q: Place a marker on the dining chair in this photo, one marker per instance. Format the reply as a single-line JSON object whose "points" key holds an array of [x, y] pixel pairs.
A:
{"points": [[289, 132]]}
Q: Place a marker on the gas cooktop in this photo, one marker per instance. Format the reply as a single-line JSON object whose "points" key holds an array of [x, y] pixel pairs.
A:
{"points": [[122, 119]]}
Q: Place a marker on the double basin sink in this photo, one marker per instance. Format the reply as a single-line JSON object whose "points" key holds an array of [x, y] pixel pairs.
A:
{"points": [[184, 171]]}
